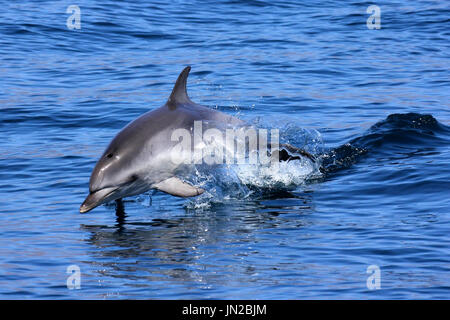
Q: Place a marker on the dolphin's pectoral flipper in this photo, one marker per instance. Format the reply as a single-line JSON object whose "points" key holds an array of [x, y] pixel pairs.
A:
{"points": [[179, 188]]}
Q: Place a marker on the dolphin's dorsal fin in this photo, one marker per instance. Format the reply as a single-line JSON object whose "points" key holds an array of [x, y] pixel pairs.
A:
{"points": [[179, 92]]}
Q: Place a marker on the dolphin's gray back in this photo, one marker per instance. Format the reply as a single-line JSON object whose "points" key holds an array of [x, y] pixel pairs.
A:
{"points": [[164, 120], [155, 128]]}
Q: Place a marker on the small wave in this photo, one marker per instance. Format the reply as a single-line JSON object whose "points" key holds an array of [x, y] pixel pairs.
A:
{"points": [[386, 136]]}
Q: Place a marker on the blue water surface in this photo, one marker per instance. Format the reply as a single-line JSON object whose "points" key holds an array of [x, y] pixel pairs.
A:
{"points": [[373, 104]]}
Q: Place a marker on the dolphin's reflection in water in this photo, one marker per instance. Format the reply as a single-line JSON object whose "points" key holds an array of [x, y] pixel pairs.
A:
{"points": [[208, 246]]}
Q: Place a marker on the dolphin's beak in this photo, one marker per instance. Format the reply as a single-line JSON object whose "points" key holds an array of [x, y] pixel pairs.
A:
{"points": [[96, 198]]}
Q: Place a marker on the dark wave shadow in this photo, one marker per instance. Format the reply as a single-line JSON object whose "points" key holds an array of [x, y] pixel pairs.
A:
{"points": [[409, 133]]}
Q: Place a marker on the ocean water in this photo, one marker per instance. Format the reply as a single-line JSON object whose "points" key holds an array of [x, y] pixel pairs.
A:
{"points": [[371, 104]]}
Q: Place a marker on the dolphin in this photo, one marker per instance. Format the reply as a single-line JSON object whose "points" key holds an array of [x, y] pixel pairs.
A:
{"points": [[138, 158]]}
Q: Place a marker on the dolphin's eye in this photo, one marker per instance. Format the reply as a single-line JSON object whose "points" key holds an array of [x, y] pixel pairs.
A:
{"points": [[109, 155]]}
